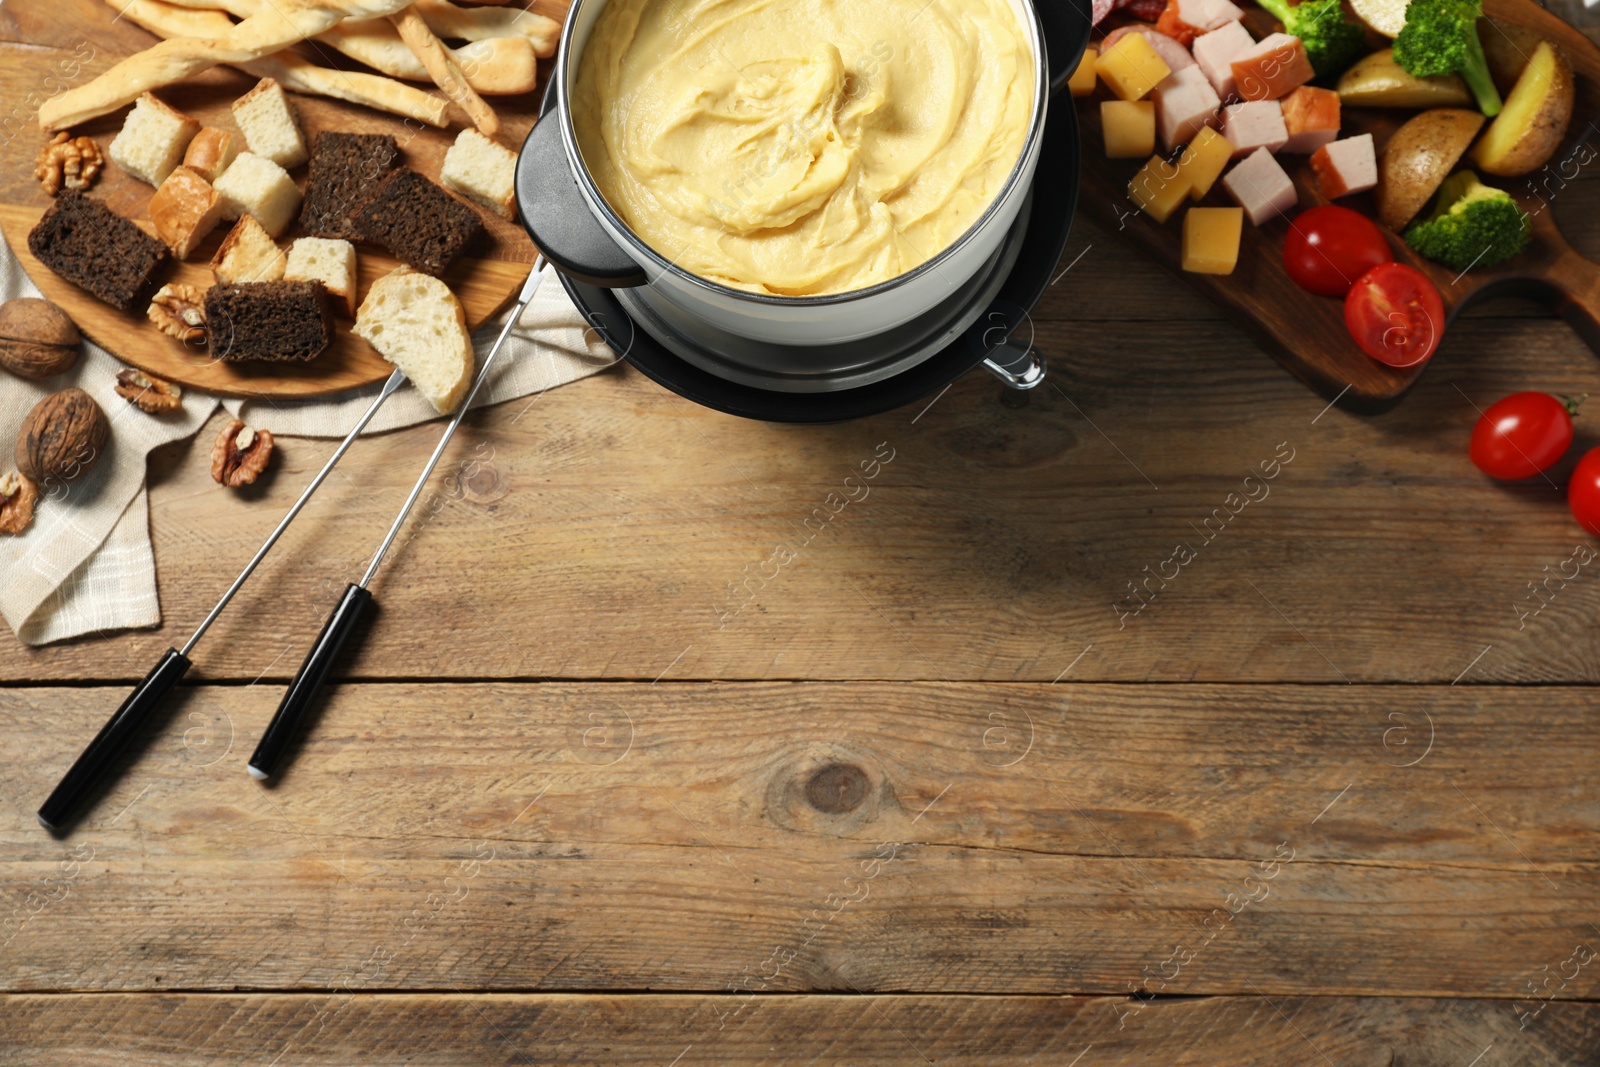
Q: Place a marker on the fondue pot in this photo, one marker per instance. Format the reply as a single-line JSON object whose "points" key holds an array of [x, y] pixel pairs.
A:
{"points": [[815, 358]]}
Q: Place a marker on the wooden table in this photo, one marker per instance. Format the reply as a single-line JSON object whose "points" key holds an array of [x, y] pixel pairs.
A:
{"points": [[613, 782]]}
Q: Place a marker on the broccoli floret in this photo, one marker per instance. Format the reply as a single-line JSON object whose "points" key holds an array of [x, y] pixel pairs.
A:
{"points": [[1472, 225], [1441, 37], [1331, 43]]}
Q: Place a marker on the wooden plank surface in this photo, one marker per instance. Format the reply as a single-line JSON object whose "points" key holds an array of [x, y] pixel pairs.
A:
{"points": [[877, 837], [1255, 1031]]}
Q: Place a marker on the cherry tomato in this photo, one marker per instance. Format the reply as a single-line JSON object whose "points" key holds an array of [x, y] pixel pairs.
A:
{"points": [[1522, 435], [1394, 313], [1329, 247], [1583, 491]]}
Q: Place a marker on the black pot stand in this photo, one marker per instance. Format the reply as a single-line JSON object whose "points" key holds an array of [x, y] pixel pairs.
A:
{"points": [[593, 268]]}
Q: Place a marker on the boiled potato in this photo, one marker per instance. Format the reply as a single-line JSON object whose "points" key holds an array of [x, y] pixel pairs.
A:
{"points": [[1529, 128], [1385, 16], [1378, 81], [1506, 48], [1418, 158]]}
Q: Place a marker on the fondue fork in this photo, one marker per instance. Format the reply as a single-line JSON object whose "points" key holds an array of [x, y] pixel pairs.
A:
{"points": [[59, 811], [341, 625]]}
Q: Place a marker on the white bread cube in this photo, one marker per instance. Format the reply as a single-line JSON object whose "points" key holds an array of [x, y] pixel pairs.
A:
{"points": [[211, 152], [185, 209], [417, 324], [259, 187], [152, 140], [268, 123], [248, 254], [329, 261], [482, 170]]}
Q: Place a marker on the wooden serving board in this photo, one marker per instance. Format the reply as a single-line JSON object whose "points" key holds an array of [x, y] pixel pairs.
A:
{"points": [[49, 45], [1306, 332]]}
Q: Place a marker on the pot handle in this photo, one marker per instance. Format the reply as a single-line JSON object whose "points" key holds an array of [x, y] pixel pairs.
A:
{"points": [[558, 219], [1066, 34]]}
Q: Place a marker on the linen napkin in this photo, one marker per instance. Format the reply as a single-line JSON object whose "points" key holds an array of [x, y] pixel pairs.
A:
{"points": [[85, 565]]}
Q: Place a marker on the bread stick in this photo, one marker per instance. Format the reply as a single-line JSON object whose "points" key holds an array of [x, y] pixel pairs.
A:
{"points": [[478, 24], [445, 71], [270, 30], [292, 71]]}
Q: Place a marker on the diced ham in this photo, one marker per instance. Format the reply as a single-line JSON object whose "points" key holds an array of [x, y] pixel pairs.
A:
{"points": [[1147, 10], [1171, 52], [1274, 68], [1345, 167], [1311, 116], [1215, 52], [1254, 124], [1185, 102], [1184, 20], [1260, 186]]}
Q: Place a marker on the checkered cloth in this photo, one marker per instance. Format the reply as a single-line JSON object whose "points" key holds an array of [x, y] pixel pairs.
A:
{"points": [[85, 565]]}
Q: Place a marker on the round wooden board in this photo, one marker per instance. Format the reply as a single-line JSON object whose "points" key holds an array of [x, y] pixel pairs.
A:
{"points": [[54, 44]]}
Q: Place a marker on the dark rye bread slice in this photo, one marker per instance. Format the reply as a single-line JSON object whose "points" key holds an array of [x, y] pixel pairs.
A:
{"points": [[345, 169], [419, 223], [96, 249], [279, 321]]}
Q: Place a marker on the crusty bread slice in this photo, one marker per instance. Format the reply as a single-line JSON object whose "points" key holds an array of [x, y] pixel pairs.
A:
{"points": [[271, 129], [482, 170], [152, 140], [417, 323], [329, 261]]}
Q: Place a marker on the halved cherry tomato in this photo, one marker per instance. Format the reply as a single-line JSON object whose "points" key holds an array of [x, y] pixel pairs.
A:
{"points": [[1394, 313], [1329, 247], [1522, 435], [1583, 491]]}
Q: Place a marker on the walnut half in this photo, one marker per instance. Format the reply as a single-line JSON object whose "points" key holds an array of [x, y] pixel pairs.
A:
{"points": [[17, 497], [149, 394], [240, 454], [70, 162], [179, 311]]}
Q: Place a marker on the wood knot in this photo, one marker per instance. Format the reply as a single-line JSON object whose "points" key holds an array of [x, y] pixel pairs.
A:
{"points": [[837, 788], [483, 485]]}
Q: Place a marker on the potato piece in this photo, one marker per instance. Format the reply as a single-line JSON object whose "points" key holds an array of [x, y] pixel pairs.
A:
{"points": [[1385, 16], [1529, 128], [1378, 81], [1418, 158], [1506, 48]]}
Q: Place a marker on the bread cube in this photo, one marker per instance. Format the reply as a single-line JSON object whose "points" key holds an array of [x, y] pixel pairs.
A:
{"points": [[1131, 67], [185, 209], [268, 123], [152, 140], [248, 254], [259, 187], [211, 152], [329, 261], [481, 170]]}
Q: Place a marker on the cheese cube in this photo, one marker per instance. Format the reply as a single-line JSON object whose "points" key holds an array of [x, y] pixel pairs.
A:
{"points": [[1261, 187], [1211, 239], [1131, 67], [1129, 127], [1158, 189], [1203, 161], [1082, 82]]}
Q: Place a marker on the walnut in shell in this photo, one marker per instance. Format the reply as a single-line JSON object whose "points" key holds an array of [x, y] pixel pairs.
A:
{"points": [[240, 454], [68, 162], [37, 339], [151, 395], [179, 311], [17, 497], [62, 436]]}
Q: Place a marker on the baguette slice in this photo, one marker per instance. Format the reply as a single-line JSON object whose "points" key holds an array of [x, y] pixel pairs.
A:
{"points": [[417, 324]]}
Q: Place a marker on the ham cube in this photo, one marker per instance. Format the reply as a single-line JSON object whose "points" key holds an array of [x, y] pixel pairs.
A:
{"points": [[1185, 103], [1311, 116], [1184, 20], [1215, 52], [1261, 187], [1345, 167], [1254, 124], [1274, 68]]}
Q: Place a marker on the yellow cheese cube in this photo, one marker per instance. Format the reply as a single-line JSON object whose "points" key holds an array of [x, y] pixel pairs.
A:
{"points": [[1158, 189], [1205, 158], [1131, 67], [1211, 239], [1129, 127], [1082, 81]]}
